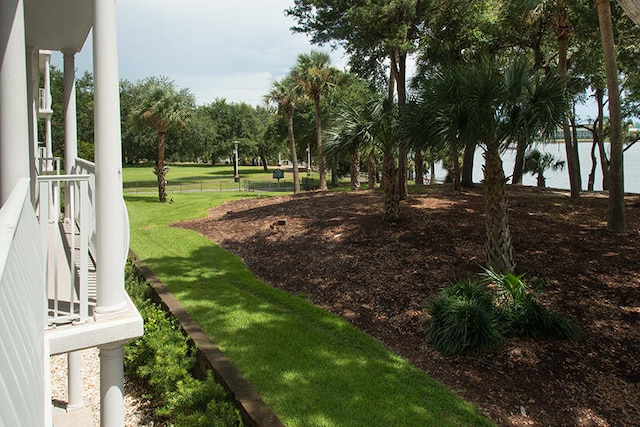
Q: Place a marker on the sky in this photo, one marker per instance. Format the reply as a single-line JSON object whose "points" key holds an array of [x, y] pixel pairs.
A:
{"points": [[231, 49]]}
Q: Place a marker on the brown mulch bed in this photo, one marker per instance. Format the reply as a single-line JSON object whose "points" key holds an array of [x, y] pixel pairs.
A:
{"points": [[336, 249]]}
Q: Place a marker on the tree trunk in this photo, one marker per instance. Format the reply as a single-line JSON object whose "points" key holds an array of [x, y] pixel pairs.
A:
{"points": [[160, 169], [432, 178], [632, 9], [498, 247], [419, 168], [265, 164], [391, 211], [293, 152], [594, 165], [518, 167], [616, 222], [541, 181], [355, 170], [334, 170], [604, 161], [321, 170], [399, 68], [467, 165], [573, 164], [456, 172], [371, 170]]}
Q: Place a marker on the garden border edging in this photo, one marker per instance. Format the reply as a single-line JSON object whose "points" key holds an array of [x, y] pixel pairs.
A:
{"points": [[255, 411]]}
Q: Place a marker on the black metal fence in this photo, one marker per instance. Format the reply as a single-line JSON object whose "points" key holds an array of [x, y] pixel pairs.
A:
{"points": [[218, 185]]}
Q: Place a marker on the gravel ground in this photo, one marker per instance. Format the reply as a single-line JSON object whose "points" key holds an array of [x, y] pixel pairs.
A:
{"points": [[137, 410]]}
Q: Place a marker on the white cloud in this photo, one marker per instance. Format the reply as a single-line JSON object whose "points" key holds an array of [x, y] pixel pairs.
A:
{"points": [[231, 50]]}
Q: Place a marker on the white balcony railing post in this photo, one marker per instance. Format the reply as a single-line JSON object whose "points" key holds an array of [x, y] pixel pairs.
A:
{"points": [[66, 304]]}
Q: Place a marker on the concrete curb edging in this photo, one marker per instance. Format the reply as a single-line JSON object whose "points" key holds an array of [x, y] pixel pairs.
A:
{"points": [[254, 411]]}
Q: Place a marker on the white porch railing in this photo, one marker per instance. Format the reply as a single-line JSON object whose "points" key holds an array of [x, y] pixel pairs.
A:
{"points": [[85, 167], [47, 165], [67, 236], [44, 101]]}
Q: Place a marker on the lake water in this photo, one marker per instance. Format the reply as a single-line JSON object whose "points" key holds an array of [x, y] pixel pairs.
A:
{"points": [[560, 179]]}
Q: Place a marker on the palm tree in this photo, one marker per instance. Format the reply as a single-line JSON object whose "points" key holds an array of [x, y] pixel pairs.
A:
{"points": [[164, 108], [537, 164], [283, 94], [473, 103], [369, 127], [314, 76]]}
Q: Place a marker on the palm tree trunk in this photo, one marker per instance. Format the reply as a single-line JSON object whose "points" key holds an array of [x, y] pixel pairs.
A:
{"points": [[390, 184], [294, 154], [371, 170], [518, 167], [160, 169], [498, 247], [467, 165], [419, 166], [334, 170], [321, 170], [457, 183], [355, 170], [541, 181], [616, 222]]}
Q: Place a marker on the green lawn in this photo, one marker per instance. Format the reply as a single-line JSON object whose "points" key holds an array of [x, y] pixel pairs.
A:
{"points": [[193, 178], [311, 367]]}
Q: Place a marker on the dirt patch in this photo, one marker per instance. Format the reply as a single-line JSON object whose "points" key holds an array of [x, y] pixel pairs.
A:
{"points": [[335, 249]]}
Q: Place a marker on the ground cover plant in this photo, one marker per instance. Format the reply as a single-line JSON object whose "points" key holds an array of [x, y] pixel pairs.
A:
{"points": [[336, 251], [310, 366], [163, 359], [478, 314]]}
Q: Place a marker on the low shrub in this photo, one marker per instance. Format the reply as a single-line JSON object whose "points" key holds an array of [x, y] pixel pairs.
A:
{"points": [[477, 315], [163, 358], [464, 319], [520, 313]]}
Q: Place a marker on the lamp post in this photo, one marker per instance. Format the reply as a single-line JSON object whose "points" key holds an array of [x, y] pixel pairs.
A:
{"points": [[308, 161], [236, 177]]}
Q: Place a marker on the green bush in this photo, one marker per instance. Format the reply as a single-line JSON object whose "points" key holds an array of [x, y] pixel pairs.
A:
{"points": [[464, 319], [201, 403], [477, 315], [163, 358], [520, 313]]}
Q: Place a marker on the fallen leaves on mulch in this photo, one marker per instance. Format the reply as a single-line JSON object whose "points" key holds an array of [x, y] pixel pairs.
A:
{"points": [[335, 249]]}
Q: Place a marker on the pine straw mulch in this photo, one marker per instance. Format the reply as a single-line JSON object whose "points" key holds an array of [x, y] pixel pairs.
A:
{"points": [[335, 249]]}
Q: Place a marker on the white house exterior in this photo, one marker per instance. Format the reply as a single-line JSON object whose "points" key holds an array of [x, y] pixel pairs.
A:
{"points": [[61, 264]]}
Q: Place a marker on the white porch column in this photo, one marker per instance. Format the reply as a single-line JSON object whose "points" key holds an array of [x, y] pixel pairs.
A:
{"points": [[32, 100], [47, 103], [14, 123], [110, 227], [110, 224], [111, 385], [70, 120], [74, 381], [74, 359]]}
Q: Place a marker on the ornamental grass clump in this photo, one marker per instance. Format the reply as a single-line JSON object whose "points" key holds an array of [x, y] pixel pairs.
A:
{"points": [[477, 315], [464, 319]]}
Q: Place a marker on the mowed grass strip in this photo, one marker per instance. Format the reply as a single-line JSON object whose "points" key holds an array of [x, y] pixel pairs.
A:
{"points": [[311, 367]]}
